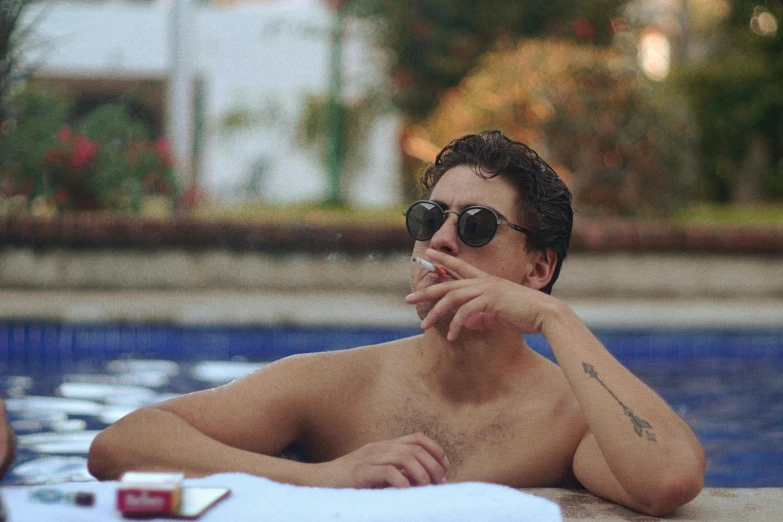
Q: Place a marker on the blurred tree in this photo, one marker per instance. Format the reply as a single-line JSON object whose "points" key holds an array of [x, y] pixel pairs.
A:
{"points": [[625, 145], [434, 43], [315, 129], [738, 100], [13, 34]]}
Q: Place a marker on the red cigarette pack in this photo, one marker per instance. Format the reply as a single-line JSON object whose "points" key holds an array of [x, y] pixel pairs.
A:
{"points": [[142, 493]]}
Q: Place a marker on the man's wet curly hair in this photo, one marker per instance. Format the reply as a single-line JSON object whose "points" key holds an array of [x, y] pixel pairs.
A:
{"points": [[544, 204]]}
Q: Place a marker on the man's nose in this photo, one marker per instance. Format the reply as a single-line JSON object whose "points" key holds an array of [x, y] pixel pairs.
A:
{"points": [[446, 239]]}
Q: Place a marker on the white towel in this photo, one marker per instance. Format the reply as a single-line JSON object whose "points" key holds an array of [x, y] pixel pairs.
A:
{"points": [[255, 499]]}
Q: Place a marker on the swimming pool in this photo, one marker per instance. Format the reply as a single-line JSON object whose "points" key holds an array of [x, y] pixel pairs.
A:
{"points": [[63, 382]]}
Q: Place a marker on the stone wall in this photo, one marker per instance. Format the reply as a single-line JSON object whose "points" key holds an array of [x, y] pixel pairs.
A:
{"points": [[631, 259]]}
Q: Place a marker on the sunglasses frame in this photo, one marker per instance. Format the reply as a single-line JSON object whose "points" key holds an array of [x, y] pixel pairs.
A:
{"points": [[498, 221]]}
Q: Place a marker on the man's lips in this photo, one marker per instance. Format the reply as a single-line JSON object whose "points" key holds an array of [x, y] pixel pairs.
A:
{"points": [[438, 278]]}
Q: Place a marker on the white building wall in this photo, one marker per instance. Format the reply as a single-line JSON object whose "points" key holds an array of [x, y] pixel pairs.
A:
{"points": [[99, 38], [259, 61]]}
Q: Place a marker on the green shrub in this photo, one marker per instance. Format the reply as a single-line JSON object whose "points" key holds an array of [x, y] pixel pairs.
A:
{"points": [[105, 161]]}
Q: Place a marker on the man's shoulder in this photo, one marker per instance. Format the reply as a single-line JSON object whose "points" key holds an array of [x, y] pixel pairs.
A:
{"points": [[552, 388], [360, 360]]}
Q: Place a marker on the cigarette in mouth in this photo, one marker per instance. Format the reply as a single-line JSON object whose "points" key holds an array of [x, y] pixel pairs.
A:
{"points": [[429, 266]]}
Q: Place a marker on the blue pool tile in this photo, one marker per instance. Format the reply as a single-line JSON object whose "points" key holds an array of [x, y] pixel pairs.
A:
{"points": [[727, 384]]}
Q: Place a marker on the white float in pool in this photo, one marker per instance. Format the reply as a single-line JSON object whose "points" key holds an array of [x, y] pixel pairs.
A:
{"points": [[112, 414], [58, 443], [133, 401], [221, 372], [53, 470], [91, 391], [149, 378], [169, 368], [54, 404]]}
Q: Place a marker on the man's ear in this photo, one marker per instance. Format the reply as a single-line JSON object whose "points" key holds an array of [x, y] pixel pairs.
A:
{"points": [[541, 269]]}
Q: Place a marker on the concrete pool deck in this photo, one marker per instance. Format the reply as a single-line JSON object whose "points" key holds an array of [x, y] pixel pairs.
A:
{"points": [[712, 504]]}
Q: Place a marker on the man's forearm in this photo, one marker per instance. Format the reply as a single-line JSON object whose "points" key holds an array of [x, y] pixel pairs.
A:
{"points": [[645, 443], [156, 440]]}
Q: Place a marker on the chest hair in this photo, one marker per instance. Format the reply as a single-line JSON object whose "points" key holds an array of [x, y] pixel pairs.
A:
{"points": [[461, 437]]}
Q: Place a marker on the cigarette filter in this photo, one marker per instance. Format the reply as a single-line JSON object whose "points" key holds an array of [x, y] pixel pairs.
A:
{"points": [[430, 267]]}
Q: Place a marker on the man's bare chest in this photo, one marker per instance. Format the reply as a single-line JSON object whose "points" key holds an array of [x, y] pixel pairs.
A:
{"points": [[503, 444]]}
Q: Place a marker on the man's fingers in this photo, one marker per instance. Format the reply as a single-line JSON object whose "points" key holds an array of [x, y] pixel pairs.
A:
{"points": [[454, 299], [393, 477], [410, 460], [481, 321], [434, 469], [436, 291], [465, 312], [432, 447], [442, 306], [415, 470]]}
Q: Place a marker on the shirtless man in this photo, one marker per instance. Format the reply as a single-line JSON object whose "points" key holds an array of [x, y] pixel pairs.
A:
{"points": [[467, 400]]}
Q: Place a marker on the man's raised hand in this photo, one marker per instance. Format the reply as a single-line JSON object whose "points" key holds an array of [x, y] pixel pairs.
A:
{"points": [[480, 300]]}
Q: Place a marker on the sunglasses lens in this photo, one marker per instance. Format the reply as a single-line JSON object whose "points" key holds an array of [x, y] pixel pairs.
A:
{"points": [[477, 226], [423, 219]]}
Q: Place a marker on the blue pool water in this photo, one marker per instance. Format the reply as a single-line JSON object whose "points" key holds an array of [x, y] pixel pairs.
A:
{"points": [[64, 382]]}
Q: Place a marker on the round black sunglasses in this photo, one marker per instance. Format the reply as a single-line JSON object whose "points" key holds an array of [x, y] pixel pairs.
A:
{"points": [[476, 225]]}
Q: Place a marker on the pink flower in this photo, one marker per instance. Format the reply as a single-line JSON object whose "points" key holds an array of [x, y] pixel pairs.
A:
{"points": [[161, 147], [583, 29], [64, 134], [192, 196], [84, 152]]}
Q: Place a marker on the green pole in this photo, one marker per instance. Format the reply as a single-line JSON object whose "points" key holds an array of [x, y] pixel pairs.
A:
{"points": [[335, 141]]}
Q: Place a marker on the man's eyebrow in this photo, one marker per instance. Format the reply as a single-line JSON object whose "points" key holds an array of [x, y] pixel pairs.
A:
{"points": [[445, 206]]}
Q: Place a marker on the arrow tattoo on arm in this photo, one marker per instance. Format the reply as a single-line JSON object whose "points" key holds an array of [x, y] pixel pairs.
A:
{"points": [[640, 426]]}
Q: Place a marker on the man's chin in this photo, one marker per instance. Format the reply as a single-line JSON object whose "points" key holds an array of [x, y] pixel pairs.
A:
{"points": [[422, 309]]}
